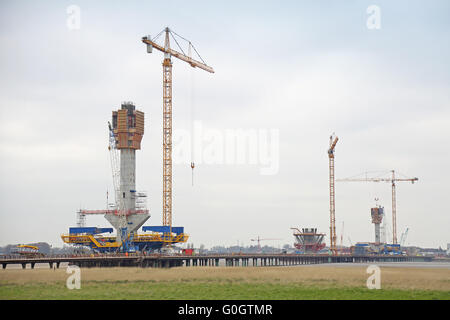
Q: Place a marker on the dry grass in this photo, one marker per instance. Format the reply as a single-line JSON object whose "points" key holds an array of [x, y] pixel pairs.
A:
{"points": [[391, 277]]}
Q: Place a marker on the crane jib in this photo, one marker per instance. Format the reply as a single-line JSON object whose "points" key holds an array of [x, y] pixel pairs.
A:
{"points": [[194, 63]]}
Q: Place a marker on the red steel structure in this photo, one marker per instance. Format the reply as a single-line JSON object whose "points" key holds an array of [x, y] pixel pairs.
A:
{"points": [[308, 240]]}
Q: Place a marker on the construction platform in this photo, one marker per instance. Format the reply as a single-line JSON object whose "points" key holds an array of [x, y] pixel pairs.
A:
{"points": [[167, 261], [95, 239], [308, 241]]}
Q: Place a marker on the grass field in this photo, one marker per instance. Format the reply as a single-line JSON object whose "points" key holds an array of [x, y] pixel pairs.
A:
{"points": [[277, 283]]}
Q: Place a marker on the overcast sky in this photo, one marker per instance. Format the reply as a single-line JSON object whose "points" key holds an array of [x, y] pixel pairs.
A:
{"points": [[304, 69]]}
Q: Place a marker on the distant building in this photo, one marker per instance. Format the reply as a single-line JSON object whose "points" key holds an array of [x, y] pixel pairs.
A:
{"points": [[448, 249]]}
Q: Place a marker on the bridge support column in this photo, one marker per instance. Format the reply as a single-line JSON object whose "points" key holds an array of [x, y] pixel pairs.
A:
{"points": [[4, 265], [24, 265]]}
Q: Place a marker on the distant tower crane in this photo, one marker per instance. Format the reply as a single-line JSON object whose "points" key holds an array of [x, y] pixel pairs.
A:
{"points": [[115, 164], [392, 180], [403, 237], [167, 109], [259, 241], [333, 141]]}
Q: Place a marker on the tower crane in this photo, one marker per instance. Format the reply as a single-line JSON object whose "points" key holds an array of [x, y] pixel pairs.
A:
{"points": [[403, 237], [167, 108], [393, 179], [115, 164], [259, 240], [333, 142]]}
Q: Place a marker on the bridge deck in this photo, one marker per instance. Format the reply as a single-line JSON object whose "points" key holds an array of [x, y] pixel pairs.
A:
{"points": [[114, 260]]}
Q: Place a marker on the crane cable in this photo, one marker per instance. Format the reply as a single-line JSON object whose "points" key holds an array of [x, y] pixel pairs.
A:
{"points": [[192, 105], [190, 45]]}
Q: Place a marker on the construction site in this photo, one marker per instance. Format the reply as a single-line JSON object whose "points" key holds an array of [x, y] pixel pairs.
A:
{"points": [[130, 232], [128, 213], [221, 159]]}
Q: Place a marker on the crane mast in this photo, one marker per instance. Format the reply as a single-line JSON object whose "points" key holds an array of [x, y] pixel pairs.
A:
{"points": [[332, 195], [167, 111], [167, 135], [394, 210]]}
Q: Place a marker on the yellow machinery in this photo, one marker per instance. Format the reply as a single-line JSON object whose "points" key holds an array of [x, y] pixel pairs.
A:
{"points": [[28, 251]]}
